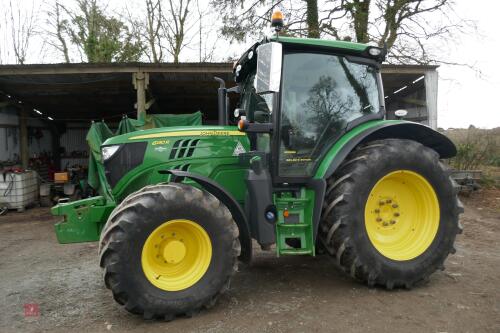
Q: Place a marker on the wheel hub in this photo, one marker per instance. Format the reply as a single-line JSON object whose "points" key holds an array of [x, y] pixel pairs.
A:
{"points": [[402, 215], [176, 255], [387, 214], [174, 251]]}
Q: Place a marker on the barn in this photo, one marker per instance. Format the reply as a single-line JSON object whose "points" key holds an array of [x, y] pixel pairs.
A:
{"points": [[46, 109]]}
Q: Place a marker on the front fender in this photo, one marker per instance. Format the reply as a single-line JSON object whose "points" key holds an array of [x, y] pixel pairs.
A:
{"points": [[383, 129], [225, 197]]}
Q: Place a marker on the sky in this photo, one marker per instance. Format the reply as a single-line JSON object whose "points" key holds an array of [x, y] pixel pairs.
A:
{"points": [[466, 96]]}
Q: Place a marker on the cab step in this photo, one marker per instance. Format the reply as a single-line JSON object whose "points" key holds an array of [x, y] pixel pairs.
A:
{"points": [[294, 227]]}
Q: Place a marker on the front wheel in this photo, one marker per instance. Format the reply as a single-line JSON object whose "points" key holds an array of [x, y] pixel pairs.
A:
{"points": [[169, 250], [391, 213]]}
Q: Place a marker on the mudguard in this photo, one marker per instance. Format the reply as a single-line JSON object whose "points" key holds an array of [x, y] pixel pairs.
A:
{"points": [[226, 198], [387, 129]]}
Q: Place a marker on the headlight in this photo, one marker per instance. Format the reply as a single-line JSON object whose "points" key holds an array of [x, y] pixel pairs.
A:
{"points": [[108, 151], [374, 51]]}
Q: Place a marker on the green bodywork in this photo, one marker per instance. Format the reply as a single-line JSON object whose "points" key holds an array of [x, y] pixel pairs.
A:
{"points": [[213, 157], [213, 152], [333, 151], [83, 219]]}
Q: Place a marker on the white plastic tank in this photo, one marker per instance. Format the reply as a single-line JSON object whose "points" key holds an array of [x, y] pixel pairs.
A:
{"points": [[18, 190]]}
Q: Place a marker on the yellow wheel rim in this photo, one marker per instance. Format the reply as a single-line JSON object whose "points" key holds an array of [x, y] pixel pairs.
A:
{"points": [[402, 215], [176, 255]]}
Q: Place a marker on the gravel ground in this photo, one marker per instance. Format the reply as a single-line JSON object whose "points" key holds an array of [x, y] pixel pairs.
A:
{"points": [[299, 294]]}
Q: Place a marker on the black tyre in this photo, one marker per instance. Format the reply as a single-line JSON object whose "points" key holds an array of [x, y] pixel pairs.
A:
{"points": [[169, 250], [390, 215]]}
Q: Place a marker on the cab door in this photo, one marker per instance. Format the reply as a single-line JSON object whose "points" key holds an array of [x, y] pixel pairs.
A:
{"points": [[320, 95]]}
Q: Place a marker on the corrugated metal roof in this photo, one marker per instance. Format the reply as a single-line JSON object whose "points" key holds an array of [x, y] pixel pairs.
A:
{"points": [[93, 91]]}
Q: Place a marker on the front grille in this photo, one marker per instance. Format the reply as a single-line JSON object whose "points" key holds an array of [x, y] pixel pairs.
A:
{"points": [[128, 156]]}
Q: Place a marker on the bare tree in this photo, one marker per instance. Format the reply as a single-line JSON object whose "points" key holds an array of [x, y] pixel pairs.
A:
{"points": [[22, 28], [176, 27], [2, 52], [251, 18], [206, 45], [57, 21], [154, 29], [167, 28], [405, 26]]}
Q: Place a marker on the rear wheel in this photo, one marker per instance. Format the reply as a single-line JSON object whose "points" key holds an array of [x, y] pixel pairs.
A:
{"points": [[391, 213], [169, 250]]}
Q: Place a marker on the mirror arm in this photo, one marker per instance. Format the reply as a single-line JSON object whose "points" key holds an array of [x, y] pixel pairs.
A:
{"points": [[258, 127], [235, 89]]}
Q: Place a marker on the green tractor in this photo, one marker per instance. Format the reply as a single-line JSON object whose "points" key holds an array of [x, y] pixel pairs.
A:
{"points": [[312, 167]]}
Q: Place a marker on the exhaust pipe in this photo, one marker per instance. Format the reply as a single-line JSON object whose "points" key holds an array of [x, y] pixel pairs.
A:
{"points": [[222, 101]]}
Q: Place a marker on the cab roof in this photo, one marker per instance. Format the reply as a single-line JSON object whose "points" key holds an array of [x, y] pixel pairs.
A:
{"points": [[247, 61], [336, 44]]}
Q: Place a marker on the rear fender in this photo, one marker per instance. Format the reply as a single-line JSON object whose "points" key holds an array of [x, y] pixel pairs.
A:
{"points": [[384, 130]]}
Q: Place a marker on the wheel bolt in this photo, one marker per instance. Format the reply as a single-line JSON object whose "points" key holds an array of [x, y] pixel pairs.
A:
{"points": [[377, 210], [388, 201], [396, 214], [385, 224], [394, 206], [379, 219], [381, 202], [393, 222]]}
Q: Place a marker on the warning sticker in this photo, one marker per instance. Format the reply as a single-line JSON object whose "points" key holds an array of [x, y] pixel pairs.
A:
{"points": [[239, 149]]}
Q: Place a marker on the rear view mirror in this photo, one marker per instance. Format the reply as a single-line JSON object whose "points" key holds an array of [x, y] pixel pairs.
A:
{"points": [[268, 75]]}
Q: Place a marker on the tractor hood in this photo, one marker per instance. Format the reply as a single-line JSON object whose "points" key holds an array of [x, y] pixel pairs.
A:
{"points": [[163, 133], [133, 160]]}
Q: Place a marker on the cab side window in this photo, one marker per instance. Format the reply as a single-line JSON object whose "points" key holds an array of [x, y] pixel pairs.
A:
{"points": [[320, 95]]}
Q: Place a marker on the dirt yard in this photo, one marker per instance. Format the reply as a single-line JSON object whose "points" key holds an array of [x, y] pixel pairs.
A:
{"points": [[290, 294]]}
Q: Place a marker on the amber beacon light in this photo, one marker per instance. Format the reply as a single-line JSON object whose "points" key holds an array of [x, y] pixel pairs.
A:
{"points": [[277, 20]]}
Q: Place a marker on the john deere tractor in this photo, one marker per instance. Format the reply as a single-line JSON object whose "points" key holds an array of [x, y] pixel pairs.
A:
{"points": [[312, 166]]}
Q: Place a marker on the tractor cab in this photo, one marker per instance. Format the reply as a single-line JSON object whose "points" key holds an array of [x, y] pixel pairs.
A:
{"points": [[298, 97], [306, 96]]}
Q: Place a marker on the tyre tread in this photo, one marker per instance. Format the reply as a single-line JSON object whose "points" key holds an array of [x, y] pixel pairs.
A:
{"points": [[116, 227], [333, 233]]}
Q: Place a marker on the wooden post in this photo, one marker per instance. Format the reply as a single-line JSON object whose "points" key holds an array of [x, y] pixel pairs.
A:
{"points": [[56, 147], [141, 82], [431, 96], [23, 137]]}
